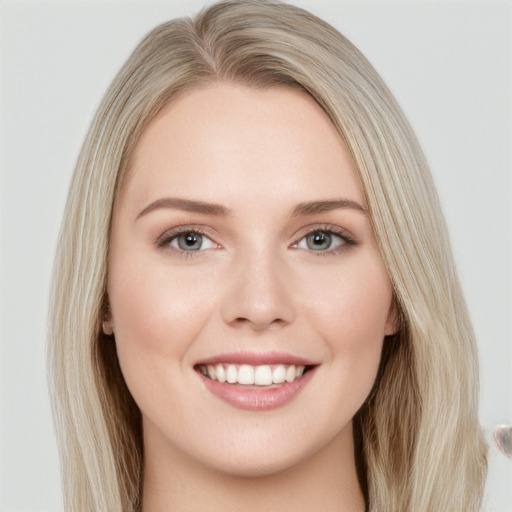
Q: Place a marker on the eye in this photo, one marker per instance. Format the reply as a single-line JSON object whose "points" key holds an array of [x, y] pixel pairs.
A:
{"points": [[186, 241], [324, 240], [191, 241]]}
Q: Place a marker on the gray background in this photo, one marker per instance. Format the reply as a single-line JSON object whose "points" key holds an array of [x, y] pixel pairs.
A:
{"points": [[448, 63]]}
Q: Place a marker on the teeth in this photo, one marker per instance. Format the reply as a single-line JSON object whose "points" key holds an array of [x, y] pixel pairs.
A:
{"points": [[232, 374], [245, 374], [290, 374], [220, 373], [263, 375], [279, 374]]}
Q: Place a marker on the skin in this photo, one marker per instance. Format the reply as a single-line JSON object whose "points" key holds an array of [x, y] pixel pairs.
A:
{"points": [[255, 285]]}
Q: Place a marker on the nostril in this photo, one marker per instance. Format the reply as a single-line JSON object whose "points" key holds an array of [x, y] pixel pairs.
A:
{"points": [[259, 323], [259, 304]]}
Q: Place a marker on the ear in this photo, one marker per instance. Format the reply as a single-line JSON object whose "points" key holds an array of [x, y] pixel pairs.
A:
{"points": [[393, 321], [107, 323], [107, 327]]}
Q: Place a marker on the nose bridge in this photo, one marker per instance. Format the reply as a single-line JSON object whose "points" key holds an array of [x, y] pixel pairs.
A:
{"points": [[258, 293]]}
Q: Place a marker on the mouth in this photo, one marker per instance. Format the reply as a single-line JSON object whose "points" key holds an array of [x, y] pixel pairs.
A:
{"points": [[251, 375], [255, 382]]}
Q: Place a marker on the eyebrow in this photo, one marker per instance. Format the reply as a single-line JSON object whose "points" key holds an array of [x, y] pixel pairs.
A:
{"points": [[194, 206], [315, 207], [187, 205]]}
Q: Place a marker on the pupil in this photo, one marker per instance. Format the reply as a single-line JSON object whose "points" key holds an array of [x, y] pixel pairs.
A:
{"points": [[320, 241], [190, 241]]}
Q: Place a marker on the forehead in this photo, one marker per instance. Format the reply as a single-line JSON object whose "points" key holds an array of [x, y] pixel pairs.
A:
{"points": [[227, 139]]}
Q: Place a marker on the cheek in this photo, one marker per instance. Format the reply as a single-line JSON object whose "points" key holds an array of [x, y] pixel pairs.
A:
{"points": [[157, 315], [351, 316], [154, 314], [353, 305]]}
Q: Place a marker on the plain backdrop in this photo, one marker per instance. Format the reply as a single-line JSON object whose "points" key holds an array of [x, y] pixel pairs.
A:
{"points": [[447, 62]]}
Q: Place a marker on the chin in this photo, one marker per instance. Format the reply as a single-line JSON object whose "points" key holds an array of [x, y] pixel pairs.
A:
{"points": [[276, 454], [256, 467]]}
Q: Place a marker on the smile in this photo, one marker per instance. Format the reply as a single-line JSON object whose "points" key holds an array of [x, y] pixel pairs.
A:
{"points": [[255, 382], [248, 375]]}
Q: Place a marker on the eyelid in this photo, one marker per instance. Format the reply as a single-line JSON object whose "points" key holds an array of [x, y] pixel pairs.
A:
{"points": [[348, 239], [165, 239]]}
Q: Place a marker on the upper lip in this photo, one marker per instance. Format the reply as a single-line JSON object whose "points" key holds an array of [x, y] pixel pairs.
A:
{"points": [[257, 358]]}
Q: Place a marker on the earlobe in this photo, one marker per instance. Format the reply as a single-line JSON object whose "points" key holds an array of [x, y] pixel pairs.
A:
{"points": [[107, 324], [393, 321], [107, 327]]}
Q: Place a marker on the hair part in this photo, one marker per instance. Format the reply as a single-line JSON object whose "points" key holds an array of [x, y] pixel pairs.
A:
{"points": [[420, 444]]}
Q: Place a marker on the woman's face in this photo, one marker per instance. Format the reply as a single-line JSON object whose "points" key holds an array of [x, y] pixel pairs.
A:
{"points": [[241, 256]]}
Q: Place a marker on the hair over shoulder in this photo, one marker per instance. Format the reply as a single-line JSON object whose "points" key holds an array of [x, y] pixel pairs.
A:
{"points": [[418, 440]]}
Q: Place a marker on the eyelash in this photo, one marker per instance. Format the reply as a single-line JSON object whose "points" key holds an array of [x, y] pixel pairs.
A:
{"points": [[347, 240], [165, 240]]}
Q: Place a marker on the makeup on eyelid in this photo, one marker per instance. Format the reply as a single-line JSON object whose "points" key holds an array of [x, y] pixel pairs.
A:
{"points": [[194, 236]]}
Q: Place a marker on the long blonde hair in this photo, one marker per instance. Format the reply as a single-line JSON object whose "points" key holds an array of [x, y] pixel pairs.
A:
{"points": [[419, 445]]}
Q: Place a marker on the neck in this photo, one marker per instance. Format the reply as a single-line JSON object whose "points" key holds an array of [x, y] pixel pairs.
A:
{"points": [[325, 481]]}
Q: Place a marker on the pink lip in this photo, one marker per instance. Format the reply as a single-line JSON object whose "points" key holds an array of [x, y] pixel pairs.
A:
{"points": [[255, 359], [255, 398]]}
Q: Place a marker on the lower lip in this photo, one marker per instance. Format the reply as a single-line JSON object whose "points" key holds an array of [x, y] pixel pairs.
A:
{"points": [[257, 399]]}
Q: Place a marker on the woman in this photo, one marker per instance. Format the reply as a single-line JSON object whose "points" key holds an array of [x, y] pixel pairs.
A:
{"points": [[255, 302]]}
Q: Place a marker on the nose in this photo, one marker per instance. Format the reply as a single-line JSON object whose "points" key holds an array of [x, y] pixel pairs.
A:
{"points": [[258, 295]]}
